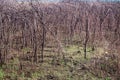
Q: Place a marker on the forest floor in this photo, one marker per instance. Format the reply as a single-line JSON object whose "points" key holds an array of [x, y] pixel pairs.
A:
{"points": [[73, 67]]}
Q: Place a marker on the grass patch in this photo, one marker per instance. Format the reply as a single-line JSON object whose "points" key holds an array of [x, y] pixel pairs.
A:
{"points": [[26, 49], [1, 74], [77, 53], [66, 69]]}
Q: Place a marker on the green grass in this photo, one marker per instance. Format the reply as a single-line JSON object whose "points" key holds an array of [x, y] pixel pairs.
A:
{"points": [[1, 74], [77, 53], [26, 49], [74, 55], [107, 78]]}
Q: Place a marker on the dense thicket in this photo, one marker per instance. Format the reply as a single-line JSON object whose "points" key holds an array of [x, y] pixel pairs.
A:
{"points": [[35, 25]]}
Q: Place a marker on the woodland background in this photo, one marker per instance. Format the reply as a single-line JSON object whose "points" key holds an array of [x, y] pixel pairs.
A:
{"points": [[68, 40]]}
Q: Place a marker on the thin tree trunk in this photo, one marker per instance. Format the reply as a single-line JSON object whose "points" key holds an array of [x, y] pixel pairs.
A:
{"points": [[43, 42], [86, 39]]}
